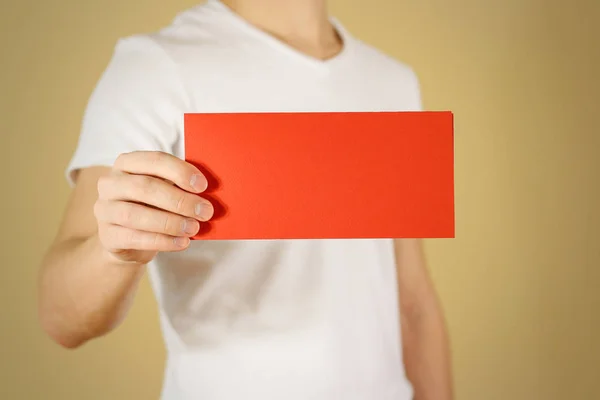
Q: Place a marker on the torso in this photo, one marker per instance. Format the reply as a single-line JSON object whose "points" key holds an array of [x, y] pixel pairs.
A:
{"points": [[297, 319]]}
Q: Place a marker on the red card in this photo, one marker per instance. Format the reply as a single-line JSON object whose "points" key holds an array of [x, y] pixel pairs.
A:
{"points": [[325, 175]]}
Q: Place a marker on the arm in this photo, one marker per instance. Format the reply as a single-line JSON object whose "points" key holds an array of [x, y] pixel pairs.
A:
{"points": [[425, 340], [118, 217], [116, 221], [82, 292]]}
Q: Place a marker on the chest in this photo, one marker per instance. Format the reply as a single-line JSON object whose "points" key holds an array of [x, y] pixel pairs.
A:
{"points": [[237, 81]]}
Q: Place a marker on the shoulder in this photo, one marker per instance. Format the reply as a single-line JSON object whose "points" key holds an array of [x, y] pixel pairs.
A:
{"points": [[144, 71], [383, 63], [194, 27]]}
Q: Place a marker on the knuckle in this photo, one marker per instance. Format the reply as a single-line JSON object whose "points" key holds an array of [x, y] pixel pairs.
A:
{"points": [[126, 213], [129, 238], [108, 237], [102, 234], [102, 185], [155, 157], [144, 185], [168, 225], [121, 161], [156, 240], [97, 210], [180, 202]]}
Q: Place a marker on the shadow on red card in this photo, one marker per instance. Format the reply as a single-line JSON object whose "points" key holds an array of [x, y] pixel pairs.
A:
{"points": [[211, 194]]}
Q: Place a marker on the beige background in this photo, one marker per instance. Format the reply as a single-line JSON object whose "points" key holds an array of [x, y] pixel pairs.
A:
{"points": [[520, 281]]}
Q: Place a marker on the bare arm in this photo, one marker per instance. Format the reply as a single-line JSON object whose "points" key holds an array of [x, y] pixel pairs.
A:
{"points": [[425, 340], [116, 221], [83, 293]]}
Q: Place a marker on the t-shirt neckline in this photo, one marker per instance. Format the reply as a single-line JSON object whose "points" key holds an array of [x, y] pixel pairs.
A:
{"points": [[284, 47]]}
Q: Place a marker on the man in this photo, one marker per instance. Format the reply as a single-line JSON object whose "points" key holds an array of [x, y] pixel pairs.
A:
{"points": [[297, 319]]}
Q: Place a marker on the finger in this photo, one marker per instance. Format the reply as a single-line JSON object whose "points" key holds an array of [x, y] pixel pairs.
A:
{"points": [[143, 218], [156, 193], [165, 166], [118, 238]]}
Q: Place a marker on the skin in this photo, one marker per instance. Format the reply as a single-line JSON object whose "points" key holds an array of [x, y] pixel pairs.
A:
{"points": [[425, 341], [117, 219]]}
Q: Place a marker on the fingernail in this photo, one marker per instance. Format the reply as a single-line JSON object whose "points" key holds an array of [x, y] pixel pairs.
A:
{"points": [[199, 182], [181, 241], [190, 226], [204, 211]]}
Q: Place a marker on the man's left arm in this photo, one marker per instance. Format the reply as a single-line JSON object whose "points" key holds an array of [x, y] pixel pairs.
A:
{"points": [[425, 342]]}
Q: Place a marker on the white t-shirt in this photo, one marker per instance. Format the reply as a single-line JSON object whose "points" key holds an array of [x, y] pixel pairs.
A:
{"points": [[264, 320]]}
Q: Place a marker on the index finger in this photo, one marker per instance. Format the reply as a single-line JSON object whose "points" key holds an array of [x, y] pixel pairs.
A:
{"points": [[165, 166]]}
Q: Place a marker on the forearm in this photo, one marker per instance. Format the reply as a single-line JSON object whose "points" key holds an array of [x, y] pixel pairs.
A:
{"points": [[427, 353], [83, 293]]}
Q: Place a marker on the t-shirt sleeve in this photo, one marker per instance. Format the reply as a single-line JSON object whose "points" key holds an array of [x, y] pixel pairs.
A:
{"points": [[137, 104]]}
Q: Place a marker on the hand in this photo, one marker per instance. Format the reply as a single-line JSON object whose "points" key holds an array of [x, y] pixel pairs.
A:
{"points": [[149, 203]]}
